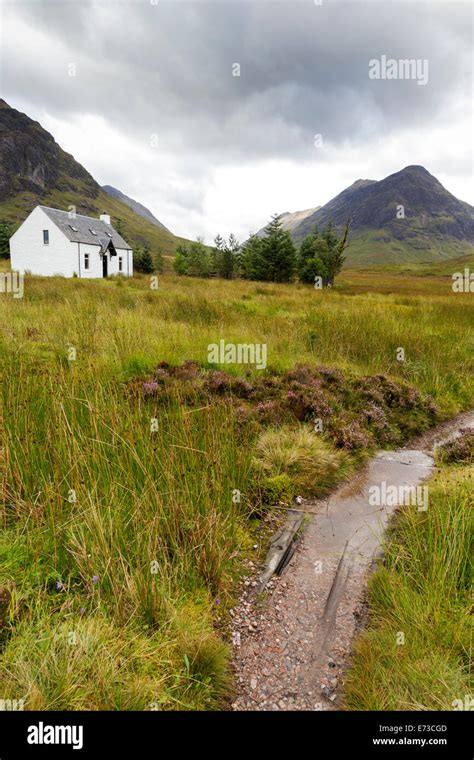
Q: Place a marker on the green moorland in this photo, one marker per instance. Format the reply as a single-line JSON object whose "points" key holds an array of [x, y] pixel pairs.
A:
{"points": [[381, 248], [120, 539]]}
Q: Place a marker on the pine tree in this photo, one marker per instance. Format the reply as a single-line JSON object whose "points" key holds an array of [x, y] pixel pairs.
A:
{"points": [[278, 255], [228, 264], [143, 261], [305, 258], [6, 231], [217, 256], [250, 258]]}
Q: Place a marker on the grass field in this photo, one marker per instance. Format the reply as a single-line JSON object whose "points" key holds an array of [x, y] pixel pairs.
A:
{"points": [[120, 546]]}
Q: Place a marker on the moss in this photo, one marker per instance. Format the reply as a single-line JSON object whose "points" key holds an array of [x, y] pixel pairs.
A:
{"points": [[276, 489]]}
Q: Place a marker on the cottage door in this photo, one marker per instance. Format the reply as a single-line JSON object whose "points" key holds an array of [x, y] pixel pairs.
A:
{"points": [[104, 265]]}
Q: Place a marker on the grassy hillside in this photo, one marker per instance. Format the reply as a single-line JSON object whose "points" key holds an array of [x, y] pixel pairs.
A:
{"points": [[379, 247], [122, 542], [136, 230]]}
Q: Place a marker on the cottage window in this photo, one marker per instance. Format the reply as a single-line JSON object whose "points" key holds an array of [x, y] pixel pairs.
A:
{"points": [[46, 237], [120, 263], [86, 261]]}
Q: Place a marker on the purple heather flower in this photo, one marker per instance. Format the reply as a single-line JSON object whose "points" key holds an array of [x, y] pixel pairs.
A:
{"points": [[95, 578], [59, 585], [218, 601], [150, 387], [81, 611]]}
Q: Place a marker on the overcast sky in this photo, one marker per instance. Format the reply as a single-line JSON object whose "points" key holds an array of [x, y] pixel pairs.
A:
{"points": [[155, 107]]}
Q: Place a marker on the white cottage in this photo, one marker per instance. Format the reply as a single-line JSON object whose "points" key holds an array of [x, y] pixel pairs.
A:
{"points": [[53, 242]]}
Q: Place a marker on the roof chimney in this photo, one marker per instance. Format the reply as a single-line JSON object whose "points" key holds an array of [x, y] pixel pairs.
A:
{"points": [[105, 218]]}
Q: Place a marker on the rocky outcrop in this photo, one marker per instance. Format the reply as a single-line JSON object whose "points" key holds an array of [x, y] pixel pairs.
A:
{"points": [[32, 161]]}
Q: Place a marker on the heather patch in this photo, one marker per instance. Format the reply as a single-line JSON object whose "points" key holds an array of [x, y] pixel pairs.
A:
{"points": [[357, 413], [458, 451]]}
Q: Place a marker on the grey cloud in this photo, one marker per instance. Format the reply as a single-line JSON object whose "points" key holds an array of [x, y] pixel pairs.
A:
{"points": [[167, 69], [304, 69]]}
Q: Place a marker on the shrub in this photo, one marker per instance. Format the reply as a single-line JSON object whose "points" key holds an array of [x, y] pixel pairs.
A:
{"points": [[143, 261], [458, 451], [357, 413]]}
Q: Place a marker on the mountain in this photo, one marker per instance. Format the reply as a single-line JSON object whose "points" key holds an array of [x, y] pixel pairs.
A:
{"points": [[436, 225], [137, 207], [36, 170], [291, 220]]}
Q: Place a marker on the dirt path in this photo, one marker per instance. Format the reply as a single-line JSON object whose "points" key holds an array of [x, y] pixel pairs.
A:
{"points": [[292, 643]]}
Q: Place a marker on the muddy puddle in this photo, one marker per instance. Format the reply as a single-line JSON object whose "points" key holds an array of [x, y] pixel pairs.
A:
{"points": [[355, 523]]}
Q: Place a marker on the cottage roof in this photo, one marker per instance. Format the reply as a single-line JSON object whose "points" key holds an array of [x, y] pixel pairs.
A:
{"points": [[81, 229]]}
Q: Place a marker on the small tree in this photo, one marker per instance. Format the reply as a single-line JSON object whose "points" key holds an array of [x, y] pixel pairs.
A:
{"points": [[120, 227], [158, 261], [231, 257], [199, 260], [180, 263], [309, 260], [217, 256], [6, 231], [250, 258], [335, 259], [142, 260], [148, 265], [193, 259], [224, 256], [322, 255]]}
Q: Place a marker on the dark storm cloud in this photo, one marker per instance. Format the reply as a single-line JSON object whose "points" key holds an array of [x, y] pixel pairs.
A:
{"points": [[167, 69]]}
